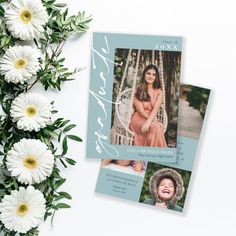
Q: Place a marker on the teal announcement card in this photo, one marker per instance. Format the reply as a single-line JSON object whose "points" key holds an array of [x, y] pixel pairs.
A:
{"points": [[158, 184], [133, 97]]}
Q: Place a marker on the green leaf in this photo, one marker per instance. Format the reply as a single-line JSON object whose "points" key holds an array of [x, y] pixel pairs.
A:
{"points": [[69, 127], [58, 183], [65, 195], [64, 123], [63, 163], [60, 5], [54, 111], [64, 146], [62, 205], [46, 215], [74, 137], [59, 137], [65, 14], [2, 11], [71, 161], [61, 60]]}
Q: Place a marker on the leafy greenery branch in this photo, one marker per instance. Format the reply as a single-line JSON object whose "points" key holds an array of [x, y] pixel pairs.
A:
{"points": [[58, 29], [51, 74]]}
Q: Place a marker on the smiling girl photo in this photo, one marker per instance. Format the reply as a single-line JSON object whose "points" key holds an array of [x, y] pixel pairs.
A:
{"points": [[165, 187]]}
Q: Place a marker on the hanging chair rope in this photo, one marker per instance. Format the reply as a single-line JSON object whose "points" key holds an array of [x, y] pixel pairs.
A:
{"points": [[153, 57], [162, 79], [134, 85], [125, 71]]}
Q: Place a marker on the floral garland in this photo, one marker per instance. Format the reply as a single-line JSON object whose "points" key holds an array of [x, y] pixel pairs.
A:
{"points": [[33, 33]]}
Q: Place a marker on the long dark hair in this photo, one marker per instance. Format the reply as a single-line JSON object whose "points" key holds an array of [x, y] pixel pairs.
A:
{"points": [[142, 92]]}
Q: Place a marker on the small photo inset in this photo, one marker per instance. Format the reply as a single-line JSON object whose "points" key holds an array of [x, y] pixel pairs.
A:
{"points": [[192, 108], [165, 187], [126, 166]]}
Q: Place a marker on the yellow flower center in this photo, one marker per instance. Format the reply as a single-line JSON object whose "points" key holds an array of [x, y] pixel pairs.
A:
{"points": [[31, 111], [26, 16], [22, 209], [20, 63], [30, 162]]}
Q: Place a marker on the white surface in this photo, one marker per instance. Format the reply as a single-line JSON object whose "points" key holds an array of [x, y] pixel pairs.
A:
{"points": [[209, 50]]}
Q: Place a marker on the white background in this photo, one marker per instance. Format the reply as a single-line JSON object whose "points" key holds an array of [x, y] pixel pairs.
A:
{"points": [[209, 55]]}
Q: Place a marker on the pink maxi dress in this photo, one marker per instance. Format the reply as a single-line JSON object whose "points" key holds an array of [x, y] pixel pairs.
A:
{"points": [[154, 137]]}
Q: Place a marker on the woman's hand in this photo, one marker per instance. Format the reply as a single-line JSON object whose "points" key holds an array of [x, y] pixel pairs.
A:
{"points": [[145, 126]]}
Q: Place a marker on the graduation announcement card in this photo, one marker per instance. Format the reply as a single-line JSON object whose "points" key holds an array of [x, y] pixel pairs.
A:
{"points": [[133, 97], [158, 184]]}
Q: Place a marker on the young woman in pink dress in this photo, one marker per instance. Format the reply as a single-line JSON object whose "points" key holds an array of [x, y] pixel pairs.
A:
{"points": [[147, 101]]}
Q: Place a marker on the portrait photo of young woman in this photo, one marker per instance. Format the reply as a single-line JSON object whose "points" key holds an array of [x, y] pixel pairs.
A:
{"points": [[145, 98]]}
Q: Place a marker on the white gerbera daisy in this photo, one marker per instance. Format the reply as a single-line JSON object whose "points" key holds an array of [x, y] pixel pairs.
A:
{"points": [[30, 161], [25, 18], [22, 210], [19, 64], [31, 111]]}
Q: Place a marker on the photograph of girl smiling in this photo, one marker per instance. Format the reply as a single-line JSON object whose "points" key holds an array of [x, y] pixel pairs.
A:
{"points": [[165, 187], [145, 98]]}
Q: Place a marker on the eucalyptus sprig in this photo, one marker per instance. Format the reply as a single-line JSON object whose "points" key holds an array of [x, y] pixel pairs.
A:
{"points": [[58, 29], [55, 133]]}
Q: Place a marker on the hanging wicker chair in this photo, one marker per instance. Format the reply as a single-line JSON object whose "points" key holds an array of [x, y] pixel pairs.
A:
{"points": [[120, 131]]}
